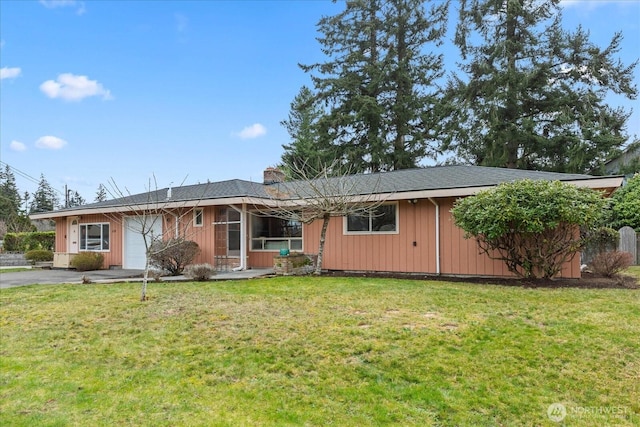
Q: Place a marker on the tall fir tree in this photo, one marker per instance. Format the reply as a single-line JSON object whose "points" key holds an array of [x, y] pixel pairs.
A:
{"points": [[101, 194], [11, 214], [533, 94], [45, 198], [413, 99], [9, 195], [307, 151], [378, 81], [75, 199]]}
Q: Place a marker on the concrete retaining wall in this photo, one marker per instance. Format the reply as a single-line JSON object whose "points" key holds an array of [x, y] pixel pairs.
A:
{"points": [[13, 260]]}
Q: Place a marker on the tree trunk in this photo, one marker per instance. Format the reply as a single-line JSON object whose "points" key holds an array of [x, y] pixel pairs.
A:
{"points": [[510, 114], [323, 234], [145, 278]]}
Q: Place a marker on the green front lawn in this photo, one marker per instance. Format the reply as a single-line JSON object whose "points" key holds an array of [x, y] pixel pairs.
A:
{"points": [[309, 351], [633, 271]]}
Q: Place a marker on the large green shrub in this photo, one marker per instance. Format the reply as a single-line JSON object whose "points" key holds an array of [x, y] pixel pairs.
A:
{"points": [[38, 255], [23, 242], [173, 255], [625, 205], [530, 225], [10, 242], [87, 261]]}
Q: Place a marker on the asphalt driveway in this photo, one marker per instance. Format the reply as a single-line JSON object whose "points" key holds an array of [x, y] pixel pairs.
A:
{"points": [[55, 277], [50, 277]]}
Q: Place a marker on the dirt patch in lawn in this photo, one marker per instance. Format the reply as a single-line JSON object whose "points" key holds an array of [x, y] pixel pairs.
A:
{"points": [[587, 281]]}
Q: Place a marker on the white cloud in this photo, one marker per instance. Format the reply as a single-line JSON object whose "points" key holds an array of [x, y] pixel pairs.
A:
{"points": [[50, 142], [1, 44], [17, 146], [589, 5], [74, 88], [52, 4], [253, 131], [9, 73]]}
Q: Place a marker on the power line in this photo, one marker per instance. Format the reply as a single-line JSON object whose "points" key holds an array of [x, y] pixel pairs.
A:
{"points": [[21, 173], [26, 175]]}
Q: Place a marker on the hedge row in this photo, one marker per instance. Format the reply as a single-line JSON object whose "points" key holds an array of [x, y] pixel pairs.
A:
{"points": [[23, 242]]}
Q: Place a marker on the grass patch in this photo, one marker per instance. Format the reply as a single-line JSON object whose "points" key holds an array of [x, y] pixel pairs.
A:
{"points": [[633, 271], [317, 351], [14, 270]]}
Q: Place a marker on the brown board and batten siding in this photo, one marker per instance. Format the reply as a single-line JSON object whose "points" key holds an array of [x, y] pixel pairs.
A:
{"points": [[61, 230], [380, 252], [397, 253], [112, 257], [203, 235]]}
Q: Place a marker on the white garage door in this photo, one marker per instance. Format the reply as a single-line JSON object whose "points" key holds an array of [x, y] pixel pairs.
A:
{"points": [[134, 248]]}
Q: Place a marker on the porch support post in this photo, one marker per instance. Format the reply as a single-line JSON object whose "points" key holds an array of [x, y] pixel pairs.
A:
{"points": [[243, 236]]}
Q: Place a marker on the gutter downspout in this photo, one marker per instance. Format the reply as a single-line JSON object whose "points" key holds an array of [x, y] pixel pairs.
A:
{"points": [[437, 234], [243, 237]]}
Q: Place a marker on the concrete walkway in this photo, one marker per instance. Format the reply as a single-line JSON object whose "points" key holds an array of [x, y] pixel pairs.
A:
{"points": [[52, 277]]}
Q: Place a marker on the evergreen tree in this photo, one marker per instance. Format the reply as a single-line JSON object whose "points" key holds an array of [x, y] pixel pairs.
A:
{"points": [[9, 195], [377, 80], [75, 199], [625, 205], [13, 218], [413, 100], [45, 198], [101, 194], [307, 151], [533, 93]]}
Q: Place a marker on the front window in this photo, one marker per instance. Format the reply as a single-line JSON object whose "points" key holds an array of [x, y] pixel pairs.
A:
{"points": [[94, 237], [198, 219], [382, 219], [272, 234]]}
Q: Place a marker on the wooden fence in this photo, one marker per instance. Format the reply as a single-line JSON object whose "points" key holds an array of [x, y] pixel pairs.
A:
{"points": [[629, 242]]}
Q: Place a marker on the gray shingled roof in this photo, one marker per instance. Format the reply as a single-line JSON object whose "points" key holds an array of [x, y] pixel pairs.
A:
{"points": [[421, 179], [208, 191], [447, 177]]}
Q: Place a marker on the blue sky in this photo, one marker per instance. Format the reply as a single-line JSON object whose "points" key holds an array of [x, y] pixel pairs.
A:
{"points": [[183, 91]]}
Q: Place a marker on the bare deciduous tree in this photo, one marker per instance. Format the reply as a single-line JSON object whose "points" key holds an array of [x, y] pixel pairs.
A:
{"points": [[320, 194], [146, 212]]}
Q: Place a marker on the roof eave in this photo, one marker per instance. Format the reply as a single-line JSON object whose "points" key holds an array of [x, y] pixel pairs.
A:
{"points": [[608, 184], [164, 205]]}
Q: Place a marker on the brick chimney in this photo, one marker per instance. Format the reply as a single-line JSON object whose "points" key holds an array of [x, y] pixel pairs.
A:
{"points": [[272, 176]]}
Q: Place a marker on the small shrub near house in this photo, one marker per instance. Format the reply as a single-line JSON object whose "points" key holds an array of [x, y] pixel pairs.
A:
{"points": [[87, 261], [38, 255], [611, 263], [200, 272], [173, 255], [599, 240]]}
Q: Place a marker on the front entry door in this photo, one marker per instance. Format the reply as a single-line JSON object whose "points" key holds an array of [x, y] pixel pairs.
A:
{"points": [[73, 235]]}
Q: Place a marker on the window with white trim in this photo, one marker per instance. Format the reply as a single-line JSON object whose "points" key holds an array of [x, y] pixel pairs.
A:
{"points": [[198, 217], [382, 219], [272, 234], [94, 237]]}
